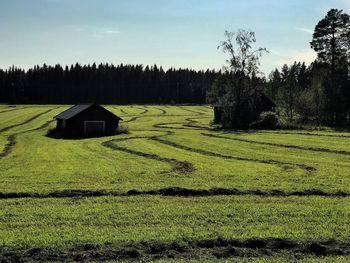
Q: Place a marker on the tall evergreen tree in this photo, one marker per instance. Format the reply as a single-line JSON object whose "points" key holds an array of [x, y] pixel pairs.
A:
{"points": [[331, 42]]}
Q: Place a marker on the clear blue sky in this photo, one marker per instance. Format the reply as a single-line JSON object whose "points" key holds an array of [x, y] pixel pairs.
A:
{"points": [[179, 33]]}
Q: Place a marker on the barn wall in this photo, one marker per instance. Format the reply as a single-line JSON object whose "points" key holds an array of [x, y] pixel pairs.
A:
{"points": [[59, 124], [217, 115], [75, 125]]}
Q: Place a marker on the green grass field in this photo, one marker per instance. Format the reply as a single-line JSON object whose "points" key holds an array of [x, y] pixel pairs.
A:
{"points": [[172, 189]]}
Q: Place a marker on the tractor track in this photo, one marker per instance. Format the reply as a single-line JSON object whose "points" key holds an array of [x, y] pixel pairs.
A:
{"points": [[177, 166], [123, 111], [192, 123], [136, 117], [307, 168], [176, 192], [12, 139], [26, 121], [144, 110], [11, 109], [132, 119], [198, 113], [185, 126], [307, 134], [183, 249], [161, 126], [314, 149], [162, 111]]}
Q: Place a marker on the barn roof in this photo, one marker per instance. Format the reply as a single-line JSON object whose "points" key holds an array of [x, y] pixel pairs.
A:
{"points": [[75, 110]]}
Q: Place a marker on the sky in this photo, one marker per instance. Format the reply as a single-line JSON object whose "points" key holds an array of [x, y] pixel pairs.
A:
{"points": [[169, 33]]}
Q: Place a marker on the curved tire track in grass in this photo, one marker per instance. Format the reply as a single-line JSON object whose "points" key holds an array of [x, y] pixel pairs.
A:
{"points": [[26, 121], [11, 109], [123, 111], [307, 168], [163, 126], [134, 118], [11, 139], [220, 248], [192, 111], [206, 110], [288, 146], [162, 111], [193, 124], [308, 134], [138, 117], [177, 166], [143, 112], [230, 157], [185, 126], [190, 125]]}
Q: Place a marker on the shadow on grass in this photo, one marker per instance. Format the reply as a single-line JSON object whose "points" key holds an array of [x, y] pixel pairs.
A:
{"points": [[55, 133]]}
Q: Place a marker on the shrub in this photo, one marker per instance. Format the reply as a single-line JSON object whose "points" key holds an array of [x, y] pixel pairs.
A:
{"points": [[267, 120], [122, 129], [54, 133]]}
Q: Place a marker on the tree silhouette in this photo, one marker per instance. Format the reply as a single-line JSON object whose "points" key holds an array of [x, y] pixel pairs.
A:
{"points": [[233, 88], [331, 42], [104, 83]]}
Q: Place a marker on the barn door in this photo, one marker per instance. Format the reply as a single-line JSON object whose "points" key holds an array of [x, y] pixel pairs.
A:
{"points": [[94, 127]]}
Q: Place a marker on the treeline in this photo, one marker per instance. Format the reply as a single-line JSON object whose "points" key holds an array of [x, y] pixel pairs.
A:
{"points": [[104, 83], [320, 93], [307, 95]]}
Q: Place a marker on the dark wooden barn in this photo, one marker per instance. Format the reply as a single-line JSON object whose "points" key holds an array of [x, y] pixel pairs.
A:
{"points": [[250, 108], [87, 120]]}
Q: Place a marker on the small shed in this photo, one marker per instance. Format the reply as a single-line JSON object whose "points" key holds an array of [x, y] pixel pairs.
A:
{"points": [[250, 109], [87, 120]]}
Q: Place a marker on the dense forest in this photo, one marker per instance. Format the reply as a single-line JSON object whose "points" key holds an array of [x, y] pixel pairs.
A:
{"points": [[318, 93], [104, 83]]}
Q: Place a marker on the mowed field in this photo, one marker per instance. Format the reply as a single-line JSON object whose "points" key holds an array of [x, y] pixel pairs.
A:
{"points": [[172, 189]]}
